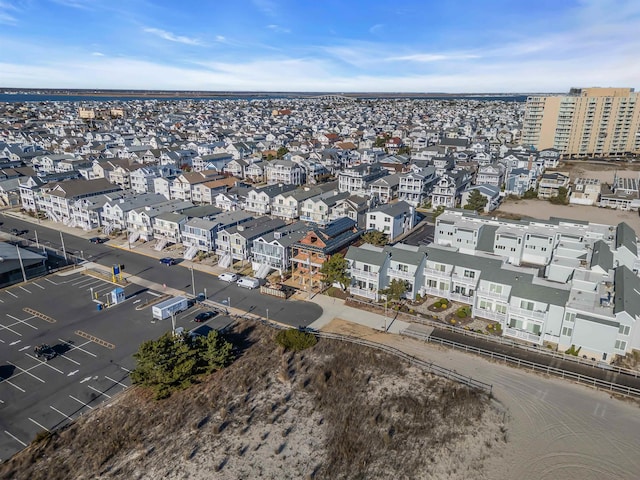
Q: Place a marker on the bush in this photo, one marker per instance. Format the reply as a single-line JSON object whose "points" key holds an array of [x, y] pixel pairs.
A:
{"points": [[437, 304], [463, 312], [295, 340]]}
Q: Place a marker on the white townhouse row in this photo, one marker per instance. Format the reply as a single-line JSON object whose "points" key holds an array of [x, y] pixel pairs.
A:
{"points": [[596, 311]]}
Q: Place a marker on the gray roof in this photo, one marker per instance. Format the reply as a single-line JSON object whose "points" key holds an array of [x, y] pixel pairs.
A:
{"points": [[393, 209], [486, 238], [367, 255], [626, 237], [627, 286], [172, 217], [602, 256], [406, 255]]}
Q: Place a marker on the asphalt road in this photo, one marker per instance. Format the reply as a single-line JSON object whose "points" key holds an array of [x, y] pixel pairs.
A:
{"points": [[296, 314]]}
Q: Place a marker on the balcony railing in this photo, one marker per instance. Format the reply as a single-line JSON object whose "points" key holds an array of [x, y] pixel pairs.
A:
{"points": [[462, 279], [523, 335], [527, 313], [490, 315], [364, 292], [494, 295], [358, 272], [436, 273], [401, 274], [436, 291], [459, 297]]}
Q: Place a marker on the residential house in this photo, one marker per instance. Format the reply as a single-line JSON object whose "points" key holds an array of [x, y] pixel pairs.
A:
{"points": [[167, 228], [415, 186], [356, 180], [317, 209], [550, 184], [273, 250], [141, 221], [353, 207], [317, 247], [393, 220], [235, 243], [385, 189], [518, 181], [285, 172], [259, 200], [449, 187], [585, 191], [491, 175], [490, 192]]}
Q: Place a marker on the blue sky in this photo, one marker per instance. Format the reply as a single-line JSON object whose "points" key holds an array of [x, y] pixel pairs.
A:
{"points": [[321, 45]]}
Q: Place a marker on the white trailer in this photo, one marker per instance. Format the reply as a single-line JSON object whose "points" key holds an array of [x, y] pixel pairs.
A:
{"points": [[164, 310]]}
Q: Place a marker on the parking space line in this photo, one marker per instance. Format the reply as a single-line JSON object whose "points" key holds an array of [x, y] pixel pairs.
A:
{"points": [[11, 330], [63, 414], [16, 439], [42, 316], [27, 371], [76, 347], [96, 390], [51, 281], [115, 381], [97, 340], [39, 286], [12, 294], [86, 281], [69, 358], [39, 424], [44, 363], [24, 289], [20, 321], [81, 402], [5, 380]]}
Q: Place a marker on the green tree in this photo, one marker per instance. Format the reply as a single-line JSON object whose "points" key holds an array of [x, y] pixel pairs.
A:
{"points": [[334, 270], [476, 201], [439, 210], [531, 193], [174, 362], [404, 150], [296, 340], [282, 151], [561, 198], [396, 289], [375, 237]]}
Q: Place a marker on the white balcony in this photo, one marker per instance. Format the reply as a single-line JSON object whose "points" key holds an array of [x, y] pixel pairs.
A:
{"points": [[458, 297], [464, 280], [401, 274], [494, 295], [436, 292], [358, 272], [489, 314], [364, 292], [523, 335], [432, 272], [537, 315]]}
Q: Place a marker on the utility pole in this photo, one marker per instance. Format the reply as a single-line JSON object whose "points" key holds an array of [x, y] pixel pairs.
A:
{"points": [[193, 284], [267, 314], [64, 251], [24, 275], [309, 268], [37, 243]]}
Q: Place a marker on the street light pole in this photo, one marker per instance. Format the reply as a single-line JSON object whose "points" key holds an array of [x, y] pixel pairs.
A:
{"points": [[64, 251], [24, 275], [267, 314], [37, 243], [193, 283]]}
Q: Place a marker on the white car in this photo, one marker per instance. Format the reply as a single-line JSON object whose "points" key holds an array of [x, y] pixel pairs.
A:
{"points": [[228, 277]]}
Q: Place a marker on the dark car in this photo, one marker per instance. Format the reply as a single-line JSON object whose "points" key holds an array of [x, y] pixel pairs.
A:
{"points": [[168, 261], [15, 231], [204, 316], [98, 240], [44, 351]]}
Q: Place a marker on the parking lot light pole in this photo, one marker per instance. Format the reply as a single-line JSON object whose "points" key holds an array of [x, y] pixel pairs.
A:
{"points": [[24, 275], [193, 283], [64, 251], [267, 314]]}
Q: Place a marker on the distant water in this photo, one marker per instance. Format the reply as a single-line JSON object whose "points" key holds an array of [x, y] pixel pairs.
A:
{"points": [[33, 97]]}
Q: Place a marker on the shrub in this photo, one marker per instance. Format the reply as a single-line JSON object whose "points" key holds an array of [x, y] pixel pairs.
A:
{"points": [[295, 340], [437, 304], [463, 312]]}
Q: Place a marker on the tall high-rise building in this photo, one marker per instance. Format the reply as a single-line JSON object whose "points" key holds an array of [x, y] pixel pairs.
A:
{"points": [[586, 122]]}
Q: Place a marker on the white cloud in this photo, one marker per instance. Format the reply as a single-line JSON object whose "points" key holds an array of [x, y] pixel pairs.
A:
{"points": [[268, 7], [7, 11], [278, 28], [172, 37], [79, 4], [376, 28], [431, 57], [97, 54]]}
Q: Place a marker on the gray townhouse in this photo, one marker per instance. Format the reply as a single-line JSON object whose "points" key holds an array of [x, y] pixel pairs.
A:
{"points": [[235, 243], [385, 189], [357, 180], [259, 200], [201, 232], [415, 186], [273, 250], [393, 220]]}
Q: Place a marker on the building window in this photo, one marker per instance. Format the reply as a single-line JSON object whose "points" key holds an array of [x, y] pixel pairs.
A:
{"points": [[624, 329], [495, 288], [567, 331], [620, 345], [570, 317], [525, 305], [469, 274]]}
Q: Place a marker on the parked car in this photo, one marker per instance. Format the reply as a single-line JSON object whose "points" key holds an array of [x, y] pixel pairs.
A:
{"points": [[204, 316], [168, 261], [15, 231], [228, 277], [44, 351], [249, 282], [98, 240]]}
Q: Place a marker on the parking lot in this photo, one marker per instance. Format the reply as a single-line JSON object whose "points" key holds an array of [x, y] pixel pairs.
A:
{"points": [[93, 350]]}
